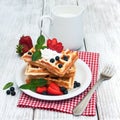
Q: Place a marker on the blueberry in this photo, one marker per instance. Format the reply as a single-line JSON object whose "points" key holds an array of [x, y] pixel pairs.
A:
{"points": [[63, 89], [57, 58], [44, 93], [65, 58], [12, 89], [76, 84], [8, 92], [13, 93], [60, 65], [65, 92], [29, 53], [52, 60]]}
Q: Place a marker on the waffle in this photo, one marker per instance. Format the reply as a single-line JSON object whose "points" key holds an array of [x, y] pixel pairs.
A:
{"points": [[71, 57], [42, 72], [53, 68], [60, 81]]}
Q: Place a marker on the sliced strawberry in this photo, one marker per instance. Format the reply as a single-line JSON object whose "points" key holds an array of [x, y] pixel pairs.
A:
{"points": [[41, 89], [54, 86], [53, 91], [54, 42], [49, 41]]}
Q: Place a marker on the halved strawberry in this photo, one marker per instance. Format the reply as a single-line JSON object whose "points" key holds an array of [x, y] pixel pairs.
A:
{"points": [[54, 89], [41, 89], [54, 45], [54, 86]]}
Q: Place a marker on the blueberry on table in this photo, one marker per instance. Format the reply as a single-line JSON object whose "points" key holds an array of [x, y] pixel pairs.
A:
{"points": [[12, 89], [13, 93], [8, 92]]}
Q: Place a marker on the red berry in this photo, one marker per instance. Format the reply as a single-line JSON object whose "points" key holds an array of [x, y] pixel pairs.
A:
{"points": [[54, 86], [55, 45], [25, 44], [41, 89], [54, 89]]}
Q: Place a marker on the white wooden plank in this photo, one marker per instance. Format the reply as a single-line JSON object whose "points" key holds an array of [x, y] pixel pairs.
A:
{"points": [[102, 29], [16, 18]]}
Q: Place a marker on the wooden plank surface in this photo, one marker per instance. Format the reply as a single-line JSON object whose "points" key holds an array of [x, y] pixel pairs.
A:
{"points": [[102, 30]]}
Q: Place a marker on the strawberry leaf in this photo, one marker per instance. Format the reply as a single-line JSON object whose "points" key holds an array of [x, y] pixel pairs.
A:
{"points": [[39, 82], [33, 84], [9, 84], [41, 40], [36, 55]]}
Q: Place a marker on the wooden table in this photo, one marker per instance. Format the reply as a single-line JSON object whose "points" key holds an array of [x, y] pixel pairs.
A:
{"points": [[102, 30]]}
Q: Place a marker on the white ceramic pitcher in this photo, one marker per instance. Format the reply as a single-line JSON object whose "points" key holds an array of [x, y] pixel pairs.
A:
{"points": [[66, 24]]}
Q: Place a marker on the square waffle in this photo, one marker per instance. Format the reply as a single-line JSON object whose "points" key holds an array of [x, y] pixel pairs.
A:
{"points": [[71, 57], [39, 71], [66, 82]]}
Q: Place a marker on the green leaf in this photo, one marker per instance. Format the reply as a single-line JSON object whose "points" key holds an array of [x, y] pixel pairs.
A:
{"points": [[28, 86], [33, 84], [43, 47], [38, 47], [39, 82], [25, 86], [36, 55], [9, 84], [41, 40]]}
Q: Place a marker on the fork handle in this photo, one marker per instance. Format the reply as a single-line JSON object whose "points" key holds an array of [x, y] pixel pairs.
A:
{"points": [[78, 110]]}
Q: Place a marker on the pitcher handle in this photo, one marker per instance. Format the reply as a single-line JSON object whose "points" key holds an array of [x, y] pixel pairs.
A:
{"points": [[40, 22]]}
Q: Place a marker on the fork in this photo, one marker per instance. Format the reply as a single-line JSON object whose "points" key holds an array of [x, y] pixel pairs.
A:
{"points": [[106, 74]]}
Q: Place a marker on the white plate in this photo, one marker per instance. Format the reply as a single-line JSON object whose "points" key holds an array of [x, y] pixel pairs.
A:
{"points": [[83, 75]]}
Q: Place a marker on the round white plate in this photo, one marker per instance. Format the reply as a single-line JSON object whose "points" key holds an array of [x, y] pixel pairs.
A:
{"points": [[83, 75]]}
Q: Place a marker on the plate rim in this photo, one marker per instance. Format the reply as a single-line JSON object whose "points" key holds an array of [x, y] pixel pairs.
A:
{"points": [[55, 98]]}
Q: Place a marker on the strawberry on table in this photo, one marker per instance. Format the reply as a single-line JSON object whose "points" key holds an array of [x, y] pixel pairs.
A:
{"points": [[25, 44]]}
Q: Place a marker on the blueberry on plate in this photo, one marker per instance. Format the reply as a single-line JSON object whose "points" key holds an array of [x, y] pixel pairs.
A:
{"points": [[76, 84], [60, 65]]}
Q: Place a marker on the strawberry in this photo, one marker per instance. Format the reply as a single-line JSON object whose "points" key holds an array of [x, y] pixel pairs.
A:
{"points": [[25, 44], [41, 89], [54, 45], [54, 89]]}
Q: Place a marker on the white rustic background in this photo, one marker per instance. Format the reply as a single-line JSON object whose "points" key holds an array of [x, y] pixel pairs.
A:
{"points": [[102, 35]]}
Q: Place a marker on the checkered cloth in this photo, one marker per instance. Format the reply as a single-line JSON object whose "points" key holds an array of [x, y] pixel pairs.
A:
{"points": [[67, 106]]}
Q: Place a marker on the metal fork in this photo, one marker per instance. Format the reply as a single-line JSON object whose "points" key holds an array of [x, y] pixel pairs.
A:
{"points": [[106, 74]]}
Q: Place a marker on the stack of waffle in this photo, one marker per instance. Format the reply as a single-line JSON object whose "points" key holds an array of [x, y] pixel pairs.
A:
{"points": [[60, 71]]}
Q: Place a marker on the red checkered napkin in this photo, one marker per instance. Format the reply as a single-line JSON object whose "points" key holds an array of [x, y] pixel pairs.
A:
{"points": [[67, 105]]}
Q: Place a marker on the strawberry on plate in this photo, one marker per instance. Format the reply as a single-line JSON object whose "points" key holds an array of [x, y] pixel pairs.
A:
{"points": [[25, 44], [54, 89], [41, 89]]}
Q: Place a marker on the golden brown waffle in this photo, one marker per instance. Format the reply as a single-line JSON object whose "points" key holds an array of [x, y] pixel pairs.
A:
{"points": [[60, 81], [67, 59], [39, 71], [53, 68]]}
